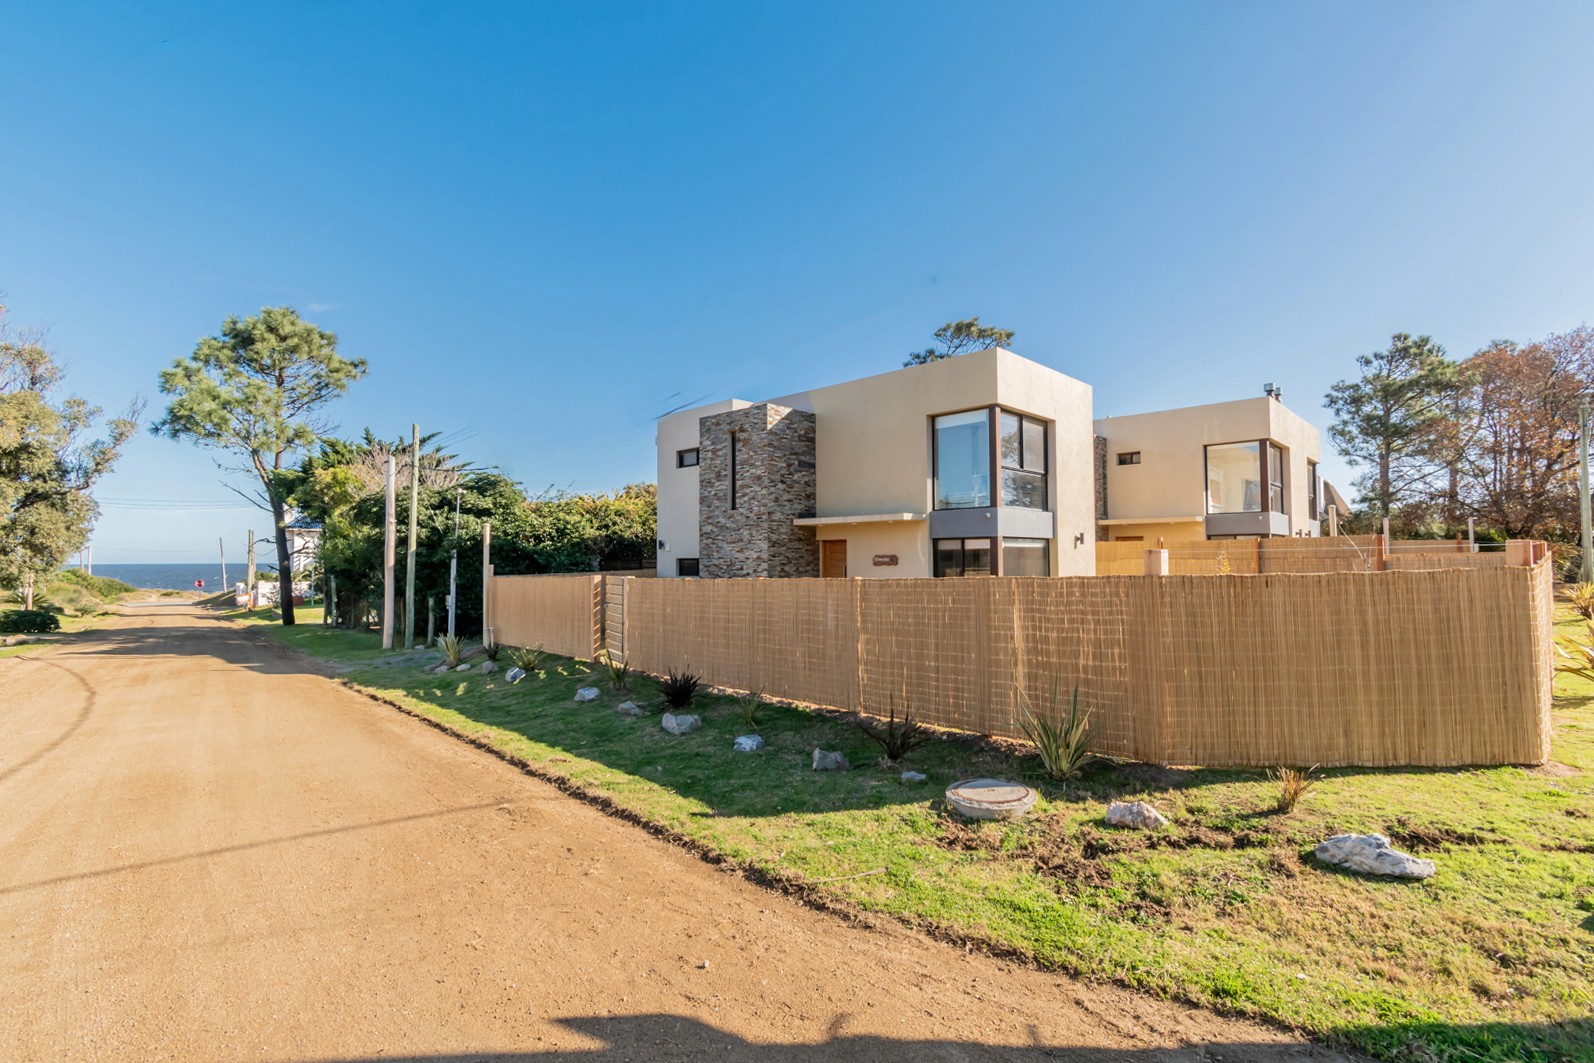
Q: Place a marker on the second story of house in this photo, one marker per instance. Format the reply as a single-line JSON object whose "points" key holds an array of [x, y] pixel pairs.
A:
{"points": [[1247, 468], [977, 464]]}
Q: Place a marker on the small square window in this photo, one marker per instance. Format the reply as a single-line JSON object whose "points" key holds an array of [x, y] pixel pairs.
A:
{"points": [[686, 566], [1129, 457], [686, 459]]}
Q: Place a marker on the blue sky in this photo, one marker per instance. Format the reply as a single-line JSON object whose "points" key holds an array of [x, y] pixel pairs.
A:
{"points": [[545, 224]]}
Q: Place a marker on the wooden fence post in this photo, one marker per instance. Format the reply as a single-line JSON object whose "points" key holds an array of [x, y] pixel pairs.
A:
{"points": [[487, 574], [1156, 562]]}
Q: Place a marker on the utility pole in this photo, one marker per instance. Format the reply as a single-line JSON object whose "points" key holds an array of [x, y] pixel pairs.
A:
{"points": [[389, 530], [409, 553], [221, 544], [453, 564], [249, 571], [1586, 572]]}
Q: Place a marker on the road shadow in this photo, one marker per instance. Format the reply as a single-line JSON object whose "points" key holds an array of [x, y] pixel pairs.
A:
{"points": [[666, 1037]]}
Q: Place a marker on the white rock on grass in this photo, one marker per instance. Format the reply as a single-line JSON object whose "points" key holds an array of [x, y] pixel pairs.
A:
{"points": [[587, 694], [489, 667], [914, 776], [463, 668], [749, 744], [628, 708], [1370, 854], [515, 675], [685, 723], [1136, 815], [824, 761]]}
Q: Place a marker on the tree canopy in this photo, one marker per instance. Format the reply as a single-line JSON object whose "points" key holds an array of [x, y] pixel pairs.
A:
{"points": [[256, 390], [48, 462], [961, 337]]}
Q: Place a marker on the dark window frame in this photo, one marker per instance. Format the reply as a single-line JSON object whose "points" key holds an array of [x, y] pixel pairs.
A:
{"points": [[1264, 450], [682, 562], [1023, 468], [993, 551], [1313, 501], [996, 466], [680, 458], [935, 457], [1129, 457]]}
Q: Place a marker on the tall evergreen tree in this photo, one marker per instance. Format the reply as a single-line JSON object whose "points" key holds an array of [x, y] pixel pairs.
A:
{"points": [[1392, 419], [255, 391]]}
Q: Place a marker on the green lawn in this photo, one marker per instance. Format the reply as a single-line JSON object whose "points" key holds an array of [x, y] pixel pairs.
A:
{"points": [[1492, 959]]}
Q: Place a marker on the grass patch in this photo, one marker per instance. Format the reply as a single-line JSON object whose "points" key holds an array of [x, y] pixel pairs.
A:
{"points": [[1492, 959]]}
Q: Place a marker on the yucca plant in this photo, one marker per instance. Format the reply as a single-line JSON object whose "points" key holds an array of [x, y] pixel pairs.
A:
{"points": [[618, 671], [453, 648], [1581, 598], [1293, 785], [897, 739], [678, 689], [747, 706], [528, 661], [1061, 743], [490, 645], [1577, 655]]}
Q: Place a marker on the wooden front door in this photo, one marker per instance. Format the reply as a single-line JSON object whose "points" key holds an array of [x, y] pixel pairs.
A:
{"points": [[833, 558]]}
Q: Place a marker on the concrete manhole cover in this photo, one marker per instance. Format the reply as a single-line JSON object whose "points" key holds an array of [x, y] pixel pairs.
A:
{"points": [[990, 798]]}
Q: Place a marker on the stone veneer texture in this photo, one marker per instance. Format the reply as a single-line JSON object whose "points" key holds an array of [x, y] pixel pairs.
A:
{"points": [[775, 484]]}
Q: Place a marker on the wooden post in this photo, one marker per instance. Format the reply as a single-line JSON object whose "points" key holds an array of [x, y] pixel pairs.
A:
{"points": [[1156, 562], [389, 533], [487, 573], [409, 552], [1258, 556], [1519, 553]]}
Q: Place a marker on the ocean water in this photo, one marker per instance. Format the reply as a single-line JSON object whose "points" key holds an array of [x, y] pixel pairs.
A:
{"points": [[172, 577]]}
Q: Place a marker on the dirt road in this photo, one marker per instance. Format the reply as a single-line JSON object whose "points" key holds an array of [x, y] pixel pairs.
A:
{"points": [[208, 852]]}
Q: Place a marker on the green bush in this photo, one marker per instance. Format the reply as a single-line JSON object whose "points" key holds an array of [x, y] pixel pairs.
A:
{"points": [[28, 622]]}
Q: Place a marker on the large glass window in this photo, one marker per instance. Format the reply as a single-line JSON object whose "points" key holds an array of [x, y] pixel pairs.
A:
{"points": [[1023, 461], [1026, 557], [963, 557], [963, 460], [1234, 478], [1311, 491], [1275, 478]]}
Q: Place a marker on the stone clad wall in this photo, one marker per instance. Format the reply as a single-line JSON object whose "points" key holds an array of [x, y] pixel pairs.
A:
{"points": [[775, 484]]}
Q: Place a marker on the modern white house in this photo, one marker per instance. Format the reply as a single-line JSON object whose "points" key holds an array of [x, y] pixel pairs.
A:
{"points": [[983, 464], [1231, 470]]}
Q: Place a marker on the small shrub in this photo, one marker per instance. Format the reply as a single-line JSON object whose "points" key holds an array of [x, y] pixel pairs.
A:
{"points": [[747, 706], [28, 622], [678, 689], [897, 739], [453, 648], [617, 670], [1581, 597], [490, 645], [1061, 743], [1293, 785], [528, 661]]}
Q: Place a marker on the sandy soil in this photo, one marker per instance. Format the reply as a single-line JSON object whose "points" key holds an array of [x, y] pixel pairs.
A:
{"points": [[209, 852]]}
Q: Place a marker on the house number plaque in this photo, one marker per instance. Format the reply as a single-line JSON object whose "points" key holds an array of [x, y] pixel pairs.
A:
{"points": [[885, 560]]}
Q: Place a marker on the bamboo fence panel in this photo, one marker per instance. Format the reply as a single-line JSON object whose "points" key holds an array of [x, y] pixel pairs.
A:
{"points": [[559, 613], [795, 639]]}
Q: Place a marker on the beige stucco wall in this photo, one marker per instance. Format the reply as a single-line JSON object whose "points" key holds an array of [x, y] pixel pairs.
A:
{"points": [[1170, 479], [909, 541], [678, 518], [1180, 532]]}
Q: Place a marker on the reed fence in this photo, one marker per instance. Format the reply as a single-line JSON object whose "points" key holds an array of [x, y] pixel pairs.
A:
{"points": [[1436, 667]]}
